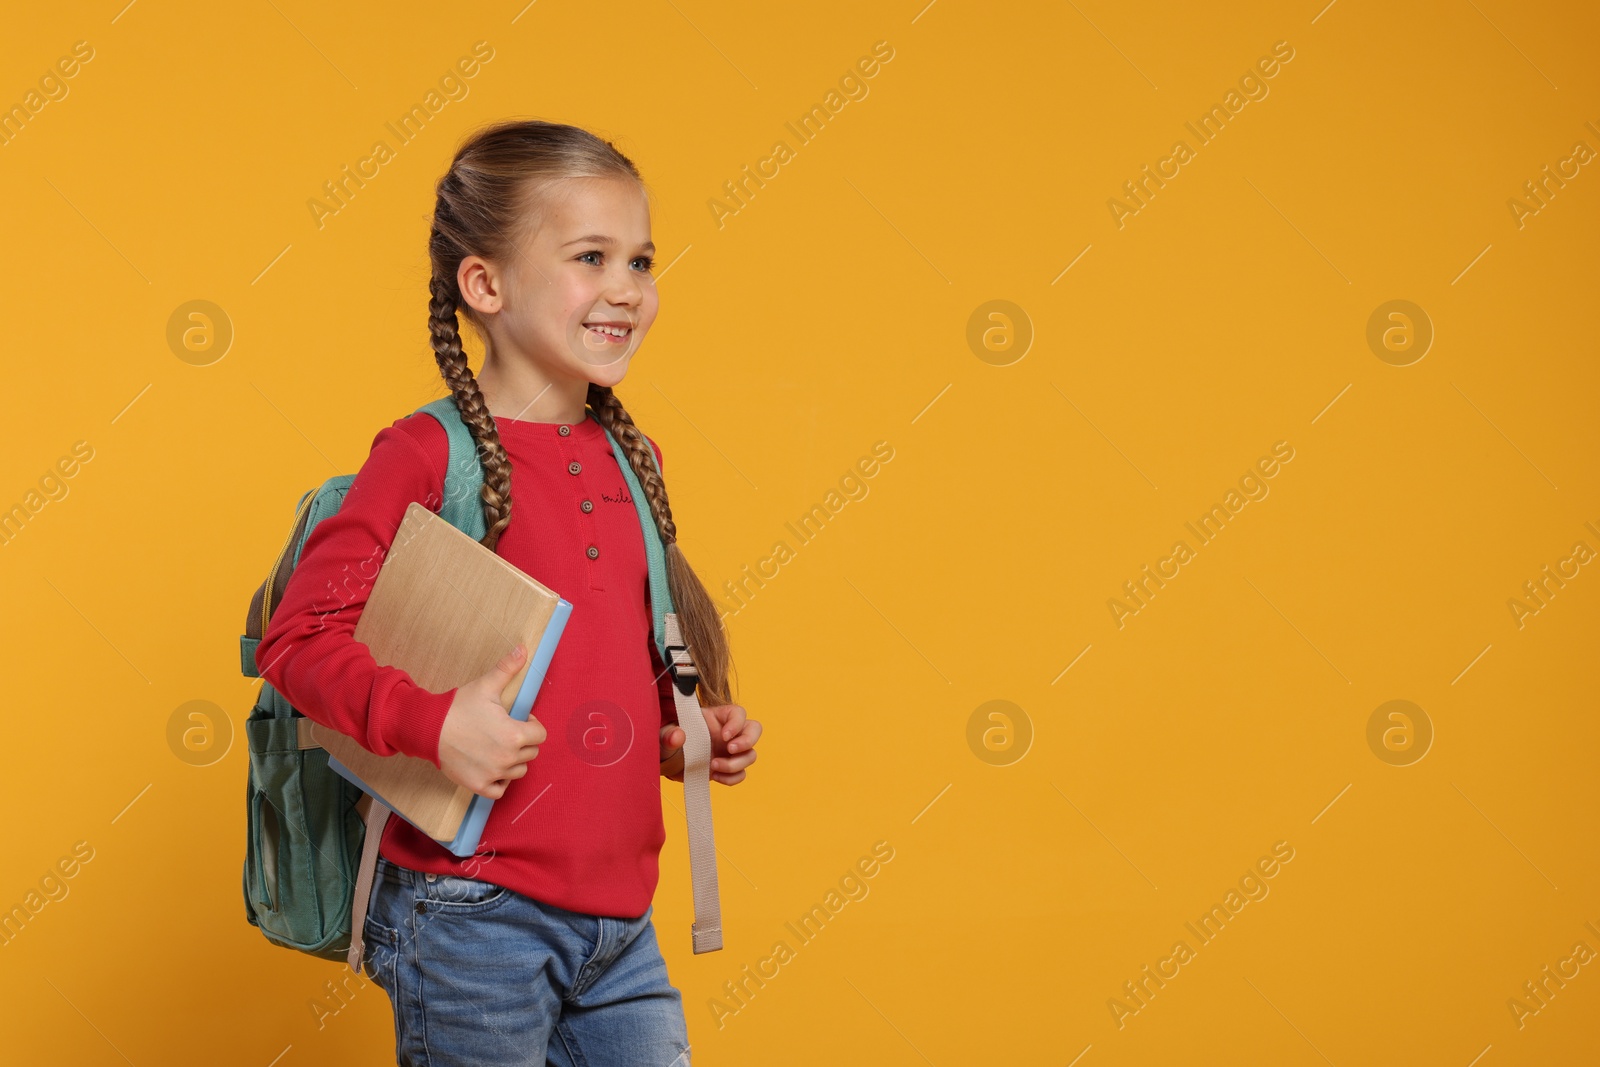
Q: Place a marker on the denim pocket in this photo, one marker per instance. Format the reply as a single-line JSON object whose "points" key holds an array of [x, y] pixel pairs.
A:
{"points": [[380, 949], [452, 893]]}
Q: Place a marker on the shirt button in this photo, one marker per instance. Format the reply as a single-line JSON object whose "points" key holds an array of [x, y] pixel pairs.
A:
{"points": [[564, 431], [587, 505], [593, 552], [574, 467]]}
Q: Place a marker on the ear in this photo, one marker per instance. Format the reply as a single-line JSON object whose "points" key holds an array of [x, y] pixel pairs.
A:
{"points": [[481, 283]]}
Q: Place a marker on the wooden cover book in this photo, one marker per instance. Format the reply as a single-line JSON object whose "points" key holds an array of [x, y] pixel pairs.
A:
{"points": [[445, 609]]}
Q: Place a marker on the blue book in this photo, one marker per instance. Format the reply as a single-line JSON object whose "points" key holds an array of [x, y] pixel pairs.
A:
{"points": [[445, 609], [465, 843]]}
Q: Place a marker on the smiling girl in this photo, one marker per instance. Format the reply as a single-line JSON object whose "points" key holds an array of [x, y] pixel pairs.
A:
{"points": [[541, 946]]}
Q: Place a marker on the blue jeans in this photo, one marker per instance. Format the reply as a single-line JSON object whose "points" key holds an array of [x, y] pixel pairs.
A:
{"points": [[482, 975]]}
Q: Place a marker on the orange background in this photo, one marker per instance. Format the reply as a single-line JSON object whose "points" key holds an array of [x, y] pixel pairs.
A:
{"points": [[1040, 859]]}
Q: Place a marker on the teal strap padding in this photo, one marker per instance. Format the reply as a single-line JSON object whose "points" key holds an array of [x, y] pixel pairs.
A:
{"points": [[462, 506], [655, 553], [247, 656], [327, 500]]}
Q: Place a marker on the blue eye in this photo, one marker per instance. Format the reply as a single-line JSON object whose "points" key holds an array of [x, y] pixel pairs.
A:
{"points": [[648, 261]]}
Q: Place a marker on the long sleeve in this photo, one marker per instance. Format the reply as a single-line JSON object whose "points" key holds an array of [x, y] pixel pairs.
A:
{"points": [[309, 652]]}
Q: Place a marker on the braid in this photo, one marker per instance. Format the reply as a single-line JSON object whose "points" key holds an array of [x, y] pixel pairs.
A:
{"points": [[697, 615], [445, 333], [608, 408]]}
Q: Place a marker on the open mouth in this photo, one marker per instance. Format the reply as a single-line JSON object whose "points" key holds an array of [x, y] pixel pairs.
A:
{"points": [[605, 333]]}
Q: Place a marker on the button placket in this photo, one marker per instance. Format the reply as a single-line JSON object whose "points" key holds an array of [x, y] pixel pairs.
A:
{"points": [[588, 539]]}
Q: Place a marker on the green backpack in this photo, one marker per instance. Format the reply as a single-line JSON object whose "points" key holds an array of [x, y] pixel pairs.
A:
{"points": [[307, 824]]}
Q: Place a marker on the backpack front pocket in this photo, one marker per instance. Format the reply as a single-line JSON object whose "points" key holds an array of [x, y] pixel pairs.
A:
{"points": [[303, 835]]}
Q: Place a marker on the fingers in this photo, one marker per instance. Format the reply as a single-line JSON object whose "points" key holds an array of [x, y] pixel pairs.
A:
{"points": [[527, 738], [530, 735], [497, 788], [746, 738], [511, 773], [732, 734], [498, 676], [740, 735], [723, 767], [725, 721], [672, 739]]}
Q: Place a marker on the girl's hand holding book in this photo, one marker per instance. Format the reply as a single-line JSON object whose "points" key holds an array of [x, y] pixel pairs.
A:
{"points": [[733, 744], [481, 746]]}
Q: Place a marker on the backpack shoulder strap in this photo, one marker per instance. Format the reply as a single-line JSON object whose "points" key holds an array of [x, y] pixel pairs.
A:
{"points": [[655, 553], [706, 931], [462, 506]]}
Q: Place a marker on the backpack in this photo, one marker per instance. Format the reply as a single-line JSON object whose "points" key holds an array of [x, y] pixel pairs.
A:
{"points": [[312, 835]]}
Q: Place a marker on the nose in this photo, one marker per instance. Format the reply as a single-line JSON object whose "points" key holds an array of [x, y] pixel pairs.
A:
{"points": [[624, 289]]}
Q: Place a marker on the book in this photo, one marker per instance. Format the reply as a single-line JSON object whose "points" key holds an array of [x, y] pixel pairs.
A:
{"points": [[445, 610]]}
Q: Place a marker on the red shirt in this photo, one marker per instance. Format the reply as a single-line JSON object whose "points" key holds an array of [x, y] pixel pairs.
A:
{"points": [[582, 829]]}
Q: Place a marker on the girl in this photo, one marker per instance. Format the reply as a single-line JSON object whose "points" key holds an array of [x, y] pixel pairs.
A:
{"points": [[541, 945]]}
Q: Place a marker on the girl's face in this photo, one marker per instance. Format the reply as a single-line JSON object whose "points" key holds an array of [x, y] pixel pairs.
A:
{"points": [[579, 296]]}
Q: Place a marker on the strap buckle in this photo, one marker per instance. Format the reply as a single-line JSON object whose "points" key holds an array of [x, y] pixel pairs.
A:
{"points": [[684, 675]]}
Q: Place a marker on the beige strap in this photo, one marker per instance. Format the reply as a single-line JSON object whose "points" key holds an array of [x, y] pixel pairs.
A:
{"points": [[707, 929], [377, 816]]}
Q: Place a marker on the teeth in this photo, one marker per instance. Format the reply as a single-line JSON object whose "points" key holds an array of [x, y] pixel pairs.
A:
{"points": [[614, 331]]}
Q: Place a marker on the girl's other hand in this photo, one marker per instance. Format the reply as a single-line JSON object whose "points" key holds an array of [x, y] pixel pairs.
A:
{"points": [[733, 744], [481, 746]]}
